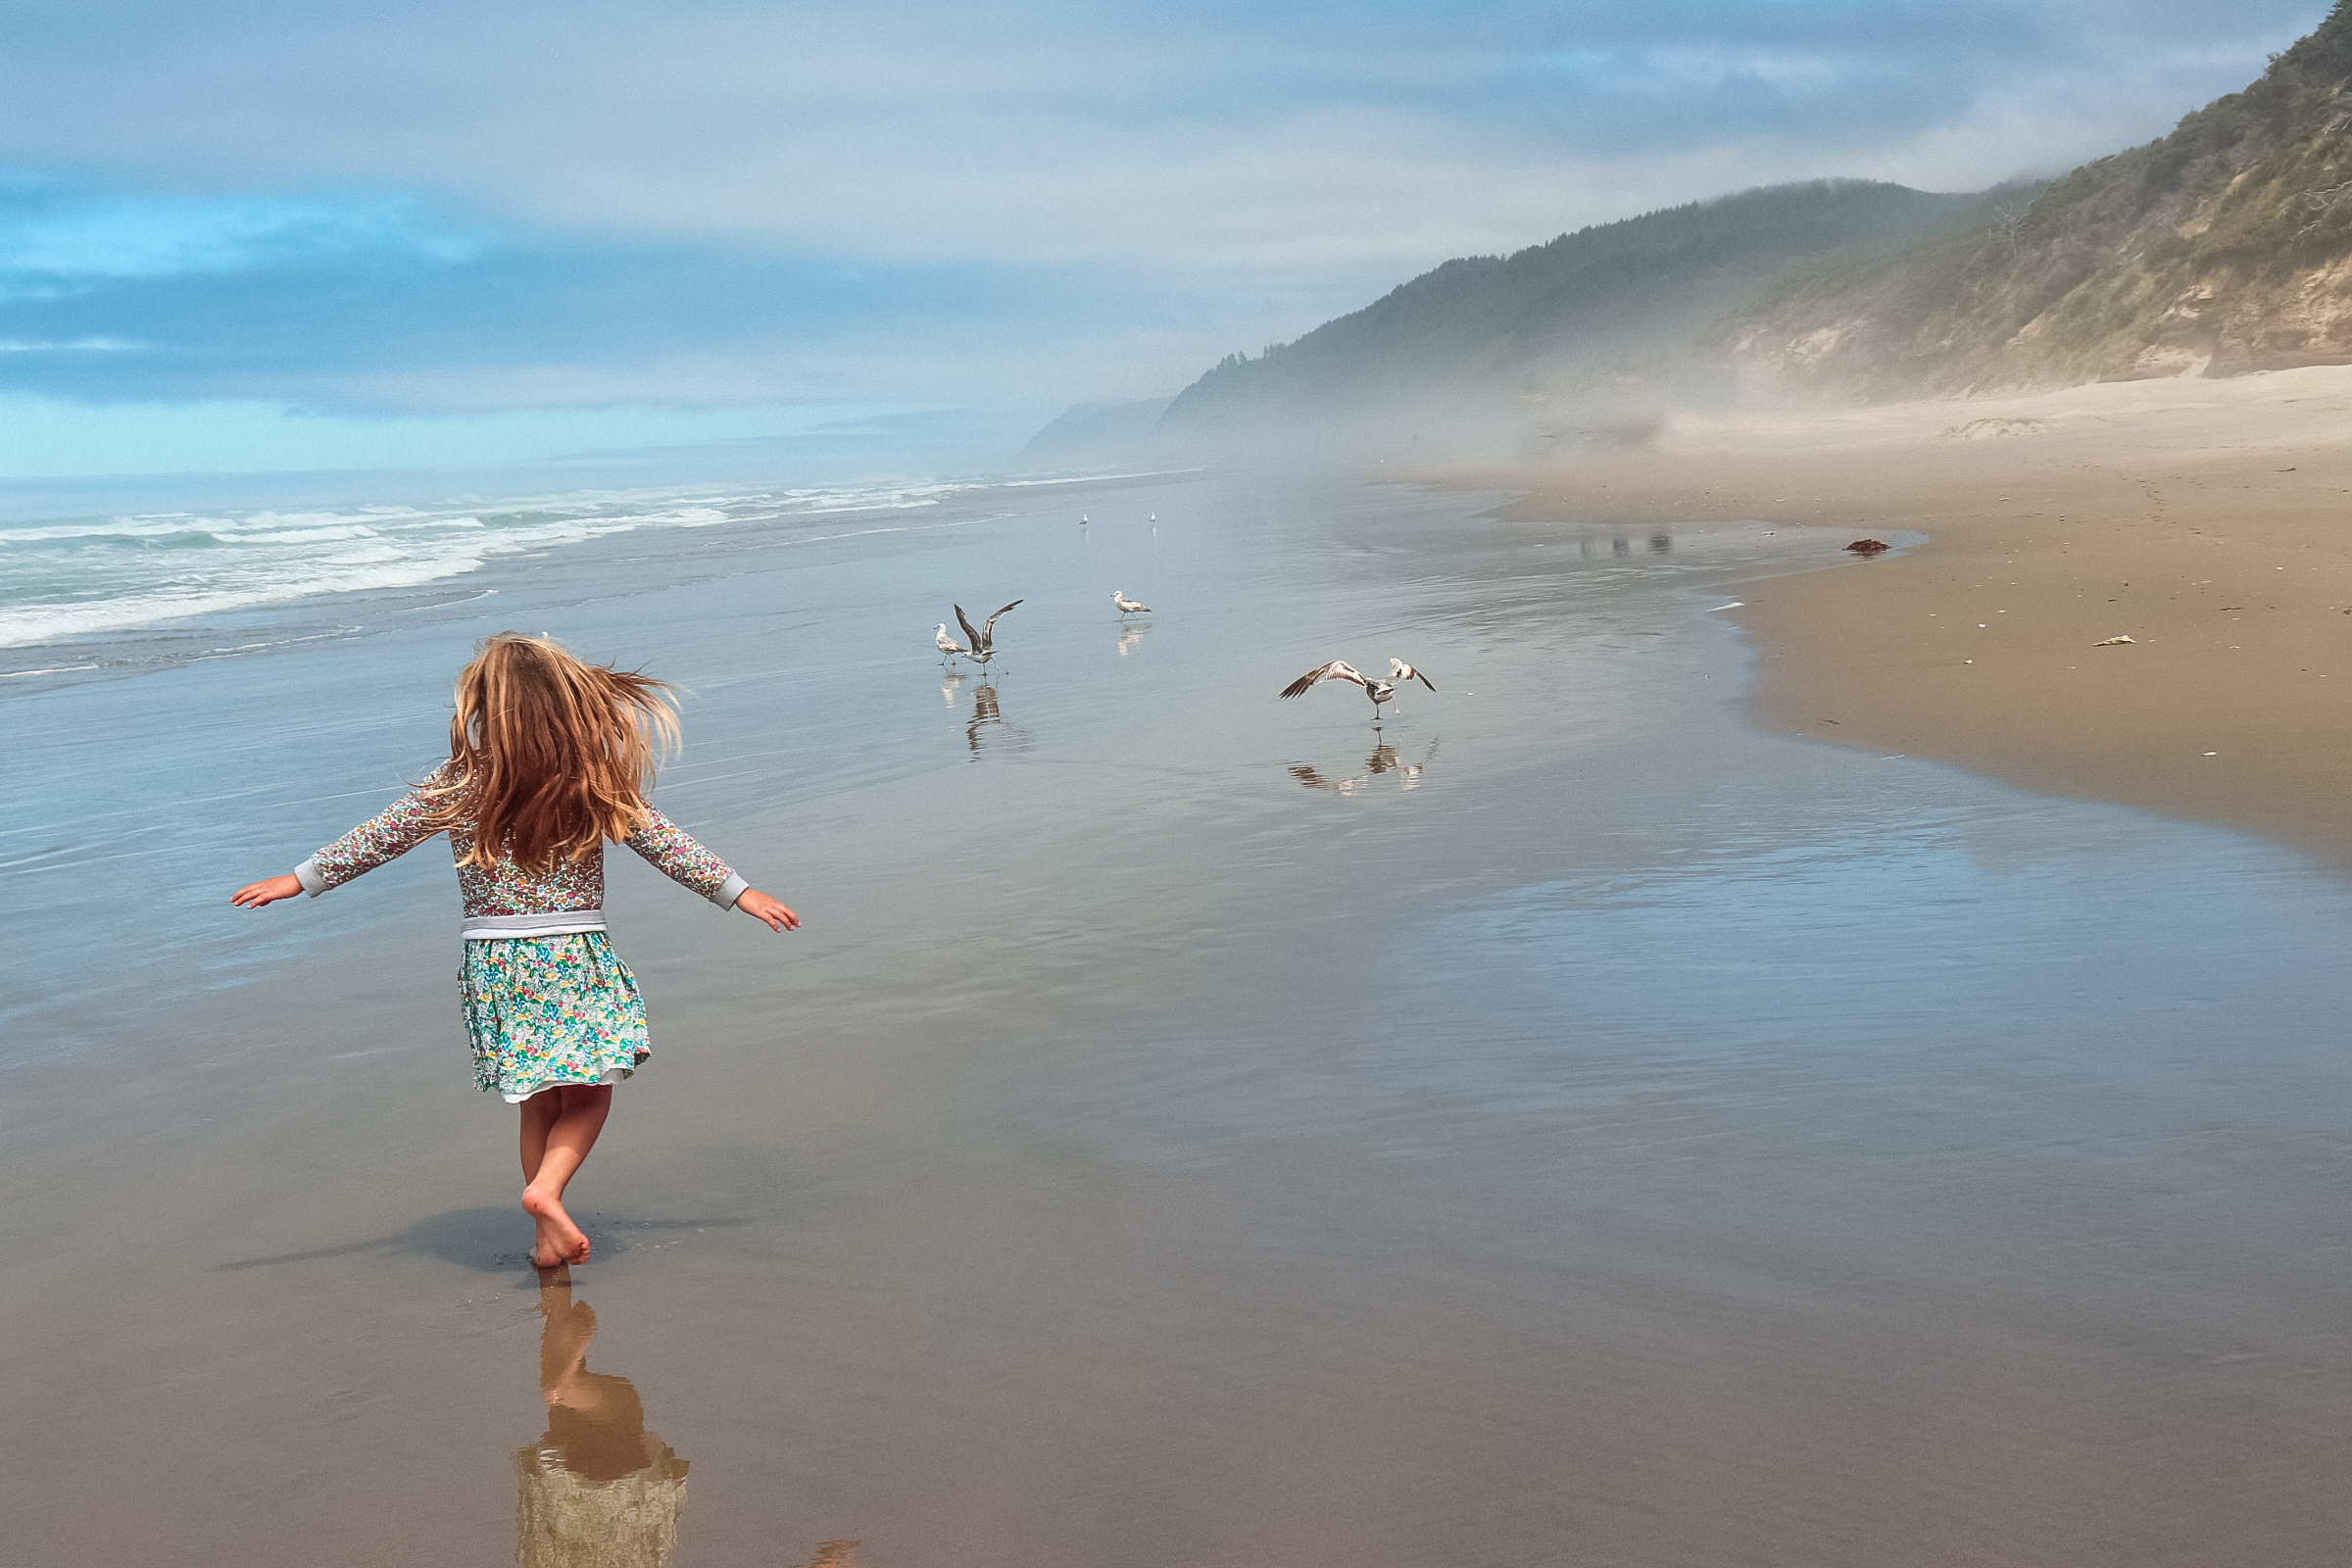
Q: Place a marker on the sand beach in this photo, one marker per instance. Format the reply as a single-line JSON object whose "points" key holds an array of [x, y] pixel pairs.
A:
{"points": [[2207, 521], [1570, 1122]]}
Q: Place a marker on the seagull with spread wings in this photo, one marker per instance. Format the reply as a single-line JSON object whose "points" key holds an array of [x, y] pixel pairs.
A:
{"points": [[1380, 691], [982, 640]]}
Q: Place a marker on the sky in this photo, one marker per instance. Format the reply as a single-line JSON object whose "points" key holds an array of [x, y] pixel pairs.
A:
{"points": [[285, 235]]}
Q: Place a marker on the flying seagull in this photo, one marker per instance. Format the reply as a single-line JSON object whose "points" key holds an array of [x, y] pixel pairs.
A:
{"points": [[983, 639], [1400, 671], [1380, 691], [949, 647], [1127, 606]]}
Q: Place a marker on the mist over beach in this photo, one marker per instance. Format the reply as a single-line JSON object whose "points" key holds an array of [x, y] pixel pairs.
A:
{"points": [[1744, 1049]]}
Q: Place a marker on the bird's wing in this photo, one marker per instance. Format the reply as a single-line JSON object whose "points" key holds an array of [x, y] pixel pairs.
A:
{"points": [[1337, 669], [1424, 680], [965, 622], [989, 631]]}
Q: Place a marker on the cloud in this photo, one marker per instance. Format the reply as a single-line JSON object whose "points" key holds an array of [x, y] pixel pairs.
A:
{"points": [[1156, 137], [463, 210], [57, 235]]}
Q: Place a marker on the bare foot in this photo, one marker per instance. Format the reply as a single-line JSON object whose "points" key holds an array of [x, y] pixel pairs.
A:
{"points": [[557, 1232]]}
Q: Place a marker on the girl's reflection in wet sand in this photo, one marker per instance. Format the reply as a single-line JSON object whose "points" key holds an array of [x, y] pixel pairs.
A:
{"points": [[598, 1491]]}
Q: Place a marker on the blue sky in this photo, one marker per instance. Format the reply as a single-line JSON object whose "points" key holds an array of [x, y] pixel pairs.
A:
{"points": [[284, 234]]}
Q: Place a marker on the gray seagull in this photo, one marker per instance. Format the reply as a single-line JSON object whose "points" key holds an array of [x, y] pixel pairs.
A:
{"points": [[1380, 691], [983, 639]]}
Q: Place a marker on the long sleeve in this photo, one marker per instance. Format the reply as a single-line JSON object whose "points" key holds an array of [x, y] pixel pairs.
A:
{"points": [[670, 850], [399, 828]]}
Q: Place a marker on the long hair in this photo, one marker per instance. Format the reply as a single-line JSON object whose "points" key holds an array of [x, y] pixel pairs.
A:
{"points": [[548, 755]]}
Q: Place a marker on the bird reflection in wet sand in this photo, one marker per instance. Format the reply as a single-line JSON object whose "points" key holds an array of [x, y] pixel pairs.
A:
{"points": [[598, 1491], [1129, 635], [948, 684], [1383, 759], [985, 712]]}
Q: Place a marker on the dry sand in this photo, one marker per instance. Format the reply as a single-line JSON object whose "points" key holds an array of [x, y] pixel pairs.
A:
{"points": [[2210, 521]]}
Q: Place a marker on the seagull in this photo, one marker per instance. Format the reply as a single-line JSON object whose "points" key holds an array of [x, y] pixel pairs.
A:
{"points": [[1400, 671], [1083, 519], [1127, 606], [983, 641], [1380, 691], [949, 647]]}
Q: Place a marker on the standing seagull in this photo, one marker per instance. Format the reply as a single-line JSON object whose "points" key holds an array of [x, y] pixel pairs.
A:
{"points": [[1380, 691], [983, 640], [1127, 606], [1400, 671], [949, 647]]}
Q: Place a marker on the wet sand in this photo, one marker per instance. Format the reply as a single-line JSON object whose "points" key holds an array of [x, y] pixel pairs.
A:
{"points": [[1568, 1125], [2210, 521]]}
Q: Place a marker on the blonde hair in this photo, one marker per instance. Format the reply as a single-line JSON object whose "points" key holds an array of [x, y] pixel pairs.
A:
{"points": [[550, 756]]}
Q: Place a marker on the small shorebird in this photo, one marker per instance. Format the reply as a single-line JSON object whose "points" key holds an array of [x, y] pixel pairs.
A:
{"points": [[983, 639], [949, 647], [1380, 691], [1400, 671], [1127, 606]]}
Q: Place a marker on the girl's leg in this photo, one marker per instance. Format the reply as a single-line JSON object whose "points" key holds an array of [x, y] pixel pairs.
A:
{"points": [[559, 1127]]}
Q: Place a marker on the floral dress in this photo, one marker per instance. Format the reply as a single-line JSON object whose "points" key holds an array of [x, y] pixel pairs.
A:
{"points": [[546, 1000]]}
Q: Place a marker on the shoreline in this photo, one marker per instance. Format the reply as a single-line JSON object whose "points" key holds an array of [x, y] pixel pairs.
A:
{"points": [[2206, 521]]}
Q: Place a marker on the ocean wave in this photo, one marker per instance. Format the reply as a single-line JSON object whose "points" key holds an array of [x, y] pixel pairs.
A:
{"points": [[72, 577]]}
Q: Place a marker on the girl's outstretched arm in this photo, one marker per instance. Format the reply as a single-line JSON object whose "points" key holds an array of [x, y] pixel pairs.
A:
{"points": [[254, 894], [759, 907]]}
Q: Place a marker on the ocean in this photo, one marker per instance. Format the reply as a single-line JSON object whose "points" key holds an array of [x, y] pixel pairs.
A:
{"points": [[1563, 1122]]}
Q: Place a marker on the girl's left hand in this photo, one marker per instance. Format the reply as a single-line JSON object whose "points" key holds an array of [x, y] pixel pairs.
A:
{"points": [[256, 894], [759, 907]]}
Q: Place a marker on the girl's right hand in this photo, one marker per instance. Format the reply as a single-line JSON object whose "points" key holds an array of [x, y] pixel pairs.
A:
{"points": [[256, 894], [759, 907]]}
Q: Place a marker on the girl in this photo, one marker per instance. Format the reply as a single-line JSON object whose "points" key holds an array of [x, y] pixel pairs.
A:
{"points": [[548, 757]]}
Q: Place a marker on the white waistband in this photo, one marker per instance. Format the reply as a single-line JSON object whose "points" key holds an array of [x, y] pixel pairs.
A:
{"points": [[551, 923]]}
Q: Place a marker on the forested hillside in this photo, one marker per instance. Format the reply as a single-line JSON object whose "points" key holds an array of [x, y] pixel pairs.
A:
{"points": [[2223, 248], [1609, 313]]}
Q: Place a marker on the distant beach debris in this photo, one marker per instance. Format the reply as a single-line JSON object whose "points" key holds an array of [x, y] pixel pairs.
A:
{"points": [[1994, 430], [1869, 546], [1127, 606], [2114, 642]]}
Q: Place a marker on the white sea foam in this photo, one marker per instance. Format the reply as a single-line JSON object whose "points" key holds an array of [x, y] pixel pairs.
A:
{"points": [[63, 577]]}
